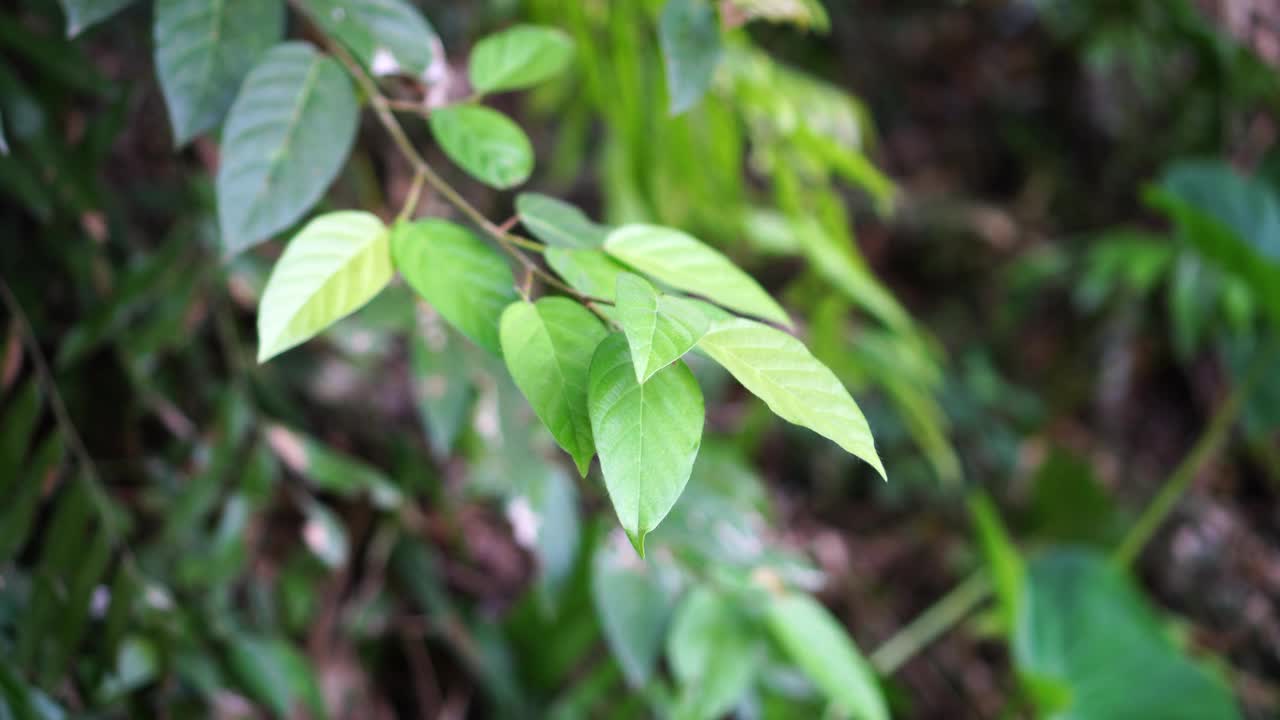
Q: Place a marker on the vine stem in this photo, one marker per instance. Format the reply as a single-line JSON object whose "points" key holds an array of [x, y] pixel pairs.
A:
{"points": [[510, 242], [931, 624]]}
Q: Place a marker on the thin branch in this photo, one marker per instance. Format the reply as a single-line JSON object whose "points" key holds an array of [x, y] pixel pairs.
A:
{"points": [[931, 624]]}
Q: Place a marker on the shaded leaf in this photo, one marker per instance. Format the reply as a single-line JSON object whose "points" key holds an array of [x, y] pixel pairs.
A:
{"points": [[590, 272], [330, 470], [713, 653], [660, 328], [441, 382], [548, 346], [485, 143], [84, 13], [204, 50], [634, 601], [685, 263], [647, 435], [689, 34], [558, 223], [390, 37], [519, 57], [329, 270], [818, 643], [780, 370], [286, 138], [465, 280]]}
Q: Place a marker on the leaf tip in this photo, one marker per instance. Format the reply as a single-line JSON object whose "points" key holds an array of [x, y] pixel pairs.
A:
{"points": [[637, 541]]}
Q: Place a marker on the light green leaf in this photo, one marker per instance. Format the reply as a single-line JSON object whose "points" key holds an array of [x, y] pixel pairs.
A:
{"points": [[660, 328], [558, 223], [713, 653], [634, 601], [390, 37], [204, 50], [519, 57], [685, 263], [333, 267], [588, 271], [818, 643], [1086, 632], [647, 435], [780, 370], [83, 13], [286, 138], [485, 143], [548, 347], [689, 34], [1004, 562], [465, 280]]}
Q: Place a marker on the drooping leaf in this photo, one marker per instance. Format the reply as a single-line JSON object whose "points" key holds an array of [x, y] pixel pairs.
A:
{"points": [[713, 653], [647, 435], [634, 601], [689, 34], [334, 266], [818, 643], [390, 37], [204, 50], [519, 57], [660, 328], [286, 138], [1085, 630], [559, 224], [485, 143], [84, 13], [780, 370], [685, 263], [588, 271], [465, 280], [548, 346]]}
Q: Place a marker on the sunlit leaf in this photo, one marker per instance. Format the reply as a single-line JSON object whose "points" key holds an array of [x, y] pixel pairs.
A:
{"points": [[485, 143], [780, 370], [685, 263], [334, 266], [558, 223], [548, 346], [465, 280], [660, 328], [286, 138], [689, 33], [390, 37], [204, 50], [587, 271], [818, 643], [519, 57], [647, 435]]}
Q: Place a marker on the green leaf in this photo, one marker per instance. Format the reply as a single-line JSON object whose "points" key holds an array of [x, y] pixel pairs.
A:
{"points": [[485, 143], [685, 263], [83, 13], [689, 34], [286, 138], [204, 50], [1084, 628], [275, 674], [588, 271], [558, 223], [519, 57], [329, 470], [329, 270], [660, 328], [1004, 562], [634, 601], [647, 435], [390, 37], [441, 382], [780, 370], [820, 646], [465, 280], [548, 347], [713, 653]]}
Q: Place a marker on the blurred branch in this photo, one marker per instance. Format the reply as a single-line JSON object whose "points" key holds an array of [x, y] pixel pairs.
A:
{"points": [[931, 624]]}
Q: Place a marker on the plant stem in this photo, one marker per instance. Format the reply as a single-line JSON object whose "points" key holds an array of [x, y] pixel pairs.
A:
{"points": [[931, 624], [1210, 441]]}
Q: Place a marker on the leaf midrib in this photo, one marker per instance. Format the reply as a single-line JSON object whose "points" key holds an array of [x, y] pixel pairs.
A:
{"points": [[277, 162]]}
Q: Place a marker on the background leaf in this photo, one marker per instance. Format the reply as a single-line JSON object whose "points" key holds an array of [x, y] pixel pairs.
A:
{"points": [[635, 601], [559, 224], [519, 57], [465, 280], [660, 328], [485, 143], [713, 652], [685, 263], [689, 33], [204, 50], [84, 13], [780, 370], [333, 267], [390, 37], [287, 136], [647, 435], [548, 347]]}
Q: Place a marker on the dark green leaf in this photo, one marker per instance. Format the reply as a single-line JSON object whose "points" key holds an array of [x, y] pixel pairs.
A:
{"points": [[689, 33], [84, 13], [485, 143]]}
